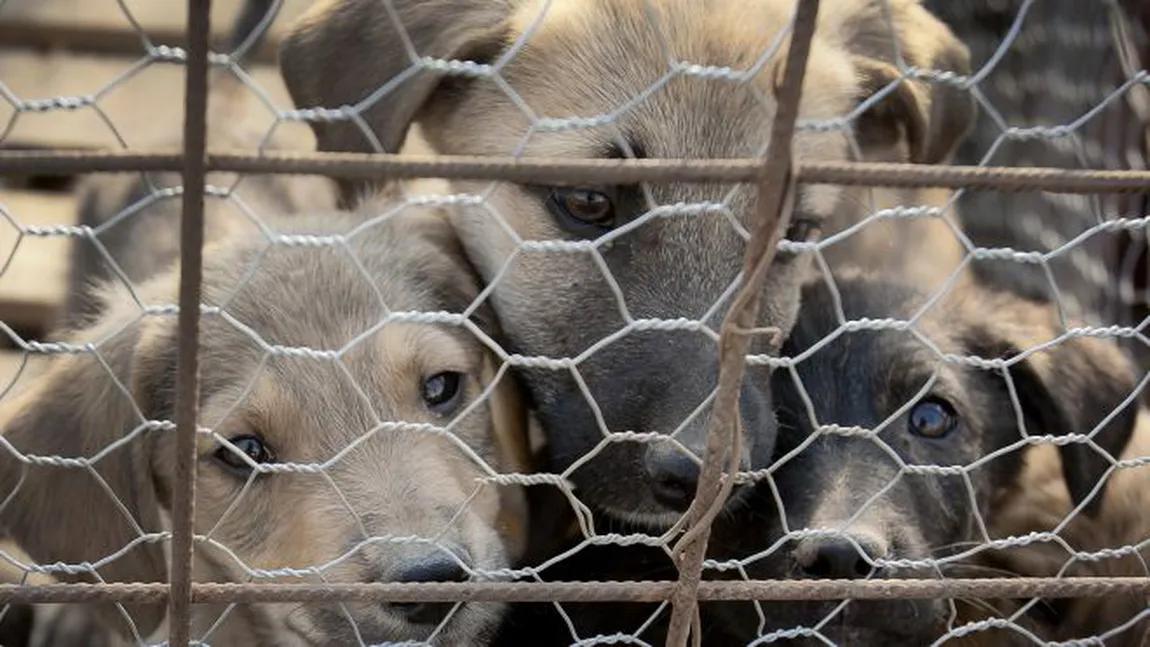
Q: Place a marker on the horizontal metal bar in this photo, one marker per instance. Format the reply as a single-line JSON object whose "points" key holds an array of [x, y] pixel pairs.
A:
{"points": [[563, 171], [777, 590]]}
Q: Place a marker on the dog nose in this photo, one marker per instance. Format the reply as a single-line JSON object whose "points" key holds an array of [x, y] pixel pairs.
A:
{"points": [[436, 568], [836, 557], [674, 476]]}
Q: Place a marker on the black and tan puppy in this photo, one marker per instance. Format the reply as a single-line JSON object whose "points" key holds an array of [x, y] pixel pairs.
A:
{"points": [[628, 72], [913, 445]]}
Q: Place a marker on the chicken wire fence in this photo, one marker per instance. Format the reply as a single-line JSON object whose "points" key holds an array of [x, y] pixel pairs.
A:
{"points": [[385, 515]]}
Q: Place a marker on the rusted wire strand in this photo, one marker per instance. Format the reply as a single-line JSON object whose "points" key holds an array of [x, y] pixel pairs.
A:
{"points": [[562, 171], [776, 191], [766, 590], [187, 345]]}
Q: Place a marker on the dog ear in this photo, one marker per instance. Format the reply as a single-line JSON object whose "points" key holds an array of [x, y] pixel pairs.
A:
{"points": [[92, 407], [930, 118], [1071, 388], [342, 52]]}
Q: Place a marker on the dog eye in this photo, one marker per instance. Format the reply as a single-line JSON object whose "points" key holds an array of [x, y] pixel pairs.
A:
{"points": [[933, 418], [582, 211], [803, 230], [441, 392], [251, 446]]}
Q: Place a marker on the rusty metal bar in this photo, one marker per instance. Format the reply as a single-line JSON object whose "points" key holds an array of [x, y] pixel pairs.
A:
{"points": [[776, 191], [187, 344], [768, 590], [570, 171]]}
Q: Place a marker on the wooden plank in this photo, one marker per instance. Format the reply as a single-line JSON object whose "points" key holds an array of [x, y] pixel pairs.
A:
{"points": [[101, 26], [139, 108], [34, 281]]}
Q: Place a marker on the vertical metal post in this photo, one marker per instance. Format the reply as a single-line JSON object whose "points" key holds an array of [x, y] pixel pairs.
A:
{"points": [[187, 363], [775, 189]]}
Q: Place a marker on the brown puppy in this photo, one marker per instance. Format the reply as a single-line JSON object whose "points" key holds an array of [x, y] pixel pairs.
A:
{"points": [[1115, 543], [922, 445], [615, 79], [312, 465]]}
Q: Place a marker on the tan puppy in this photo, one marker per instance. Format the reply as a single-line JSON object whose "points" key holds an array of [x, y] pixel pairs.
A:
{"points": [[1041, 504], [364, 481], [622, 70]]}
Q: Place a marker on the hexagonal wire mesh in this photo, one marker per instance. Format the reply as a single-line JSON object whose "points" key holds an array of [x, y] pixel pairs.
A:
{"points": [[338, 393]]}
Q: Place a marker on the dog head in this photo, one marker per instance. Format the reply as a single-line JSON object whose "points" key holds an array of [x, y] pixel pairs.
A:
{"points": [[312, 464], [921, 443], [622, 71]]}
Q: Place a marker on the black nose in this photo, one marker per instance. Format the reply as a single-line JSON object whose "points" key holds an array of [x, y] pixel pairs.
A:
{"points": [[674, 476], [836, 557], [436, 568]]}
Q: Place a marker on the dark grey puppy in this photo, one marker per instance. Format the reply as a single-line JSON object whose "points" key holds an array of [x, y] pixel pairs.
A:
{"points": [[866, 492], [621, 67]]}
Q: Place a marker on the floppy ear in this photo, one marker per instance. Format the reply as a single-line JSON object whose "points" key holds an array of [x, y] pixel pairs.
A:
{"points": [[342, 51], [930, 117], [1075, 386], [1070, 388], [75, 410], [509, 422]]}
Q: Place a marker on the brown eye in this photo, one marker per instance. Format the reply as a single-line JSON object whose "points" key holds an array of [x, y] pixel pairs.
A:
{"points": [[803, 230], [932, 418], [441, 392], [581, 210], [250, 446]]}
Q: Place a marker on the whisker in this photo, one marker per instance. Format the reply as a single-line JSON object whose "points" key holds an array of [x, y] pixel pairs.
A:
{"points": [[954, 569], [982, 605], [958, 545]]}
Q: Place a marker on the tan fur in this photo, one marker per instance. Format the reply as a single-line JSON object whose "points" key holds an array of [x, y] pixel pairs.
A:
{"points": [[590, 59], [1041, 504], [387, 482]]}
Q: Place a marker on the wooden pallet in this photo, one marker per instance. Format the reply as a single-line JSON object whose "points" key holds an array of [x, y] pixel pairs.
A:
{"points": [[90, 50]]}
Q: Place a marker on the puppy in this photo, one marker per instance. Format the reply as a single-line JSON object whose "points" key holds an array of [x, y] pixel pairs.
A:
{"points": [[390, 426], [135, 217], [621, 69], [1042, 504], [920, 447]]}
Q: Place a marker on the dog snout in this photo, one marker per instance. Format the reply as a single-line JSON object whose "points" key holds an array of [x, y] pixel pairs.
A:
{"points": [[434, 568], [840, 557], [674, 475]]}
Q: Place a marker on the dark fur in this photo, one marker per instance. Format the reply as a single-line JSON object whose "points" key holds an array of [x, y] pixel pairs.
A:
{"points": [[864, 378]]}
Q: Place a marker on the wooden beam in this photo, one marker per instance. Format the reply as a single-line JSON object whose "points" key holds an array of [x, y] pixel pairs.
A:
{"points": [[34, 280], [140, 107], [99, 26]]}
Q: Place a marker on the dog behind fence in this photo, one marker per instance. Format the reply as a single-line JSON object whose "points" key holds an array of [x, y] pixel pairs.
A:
{"points": [[604, 304]]}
